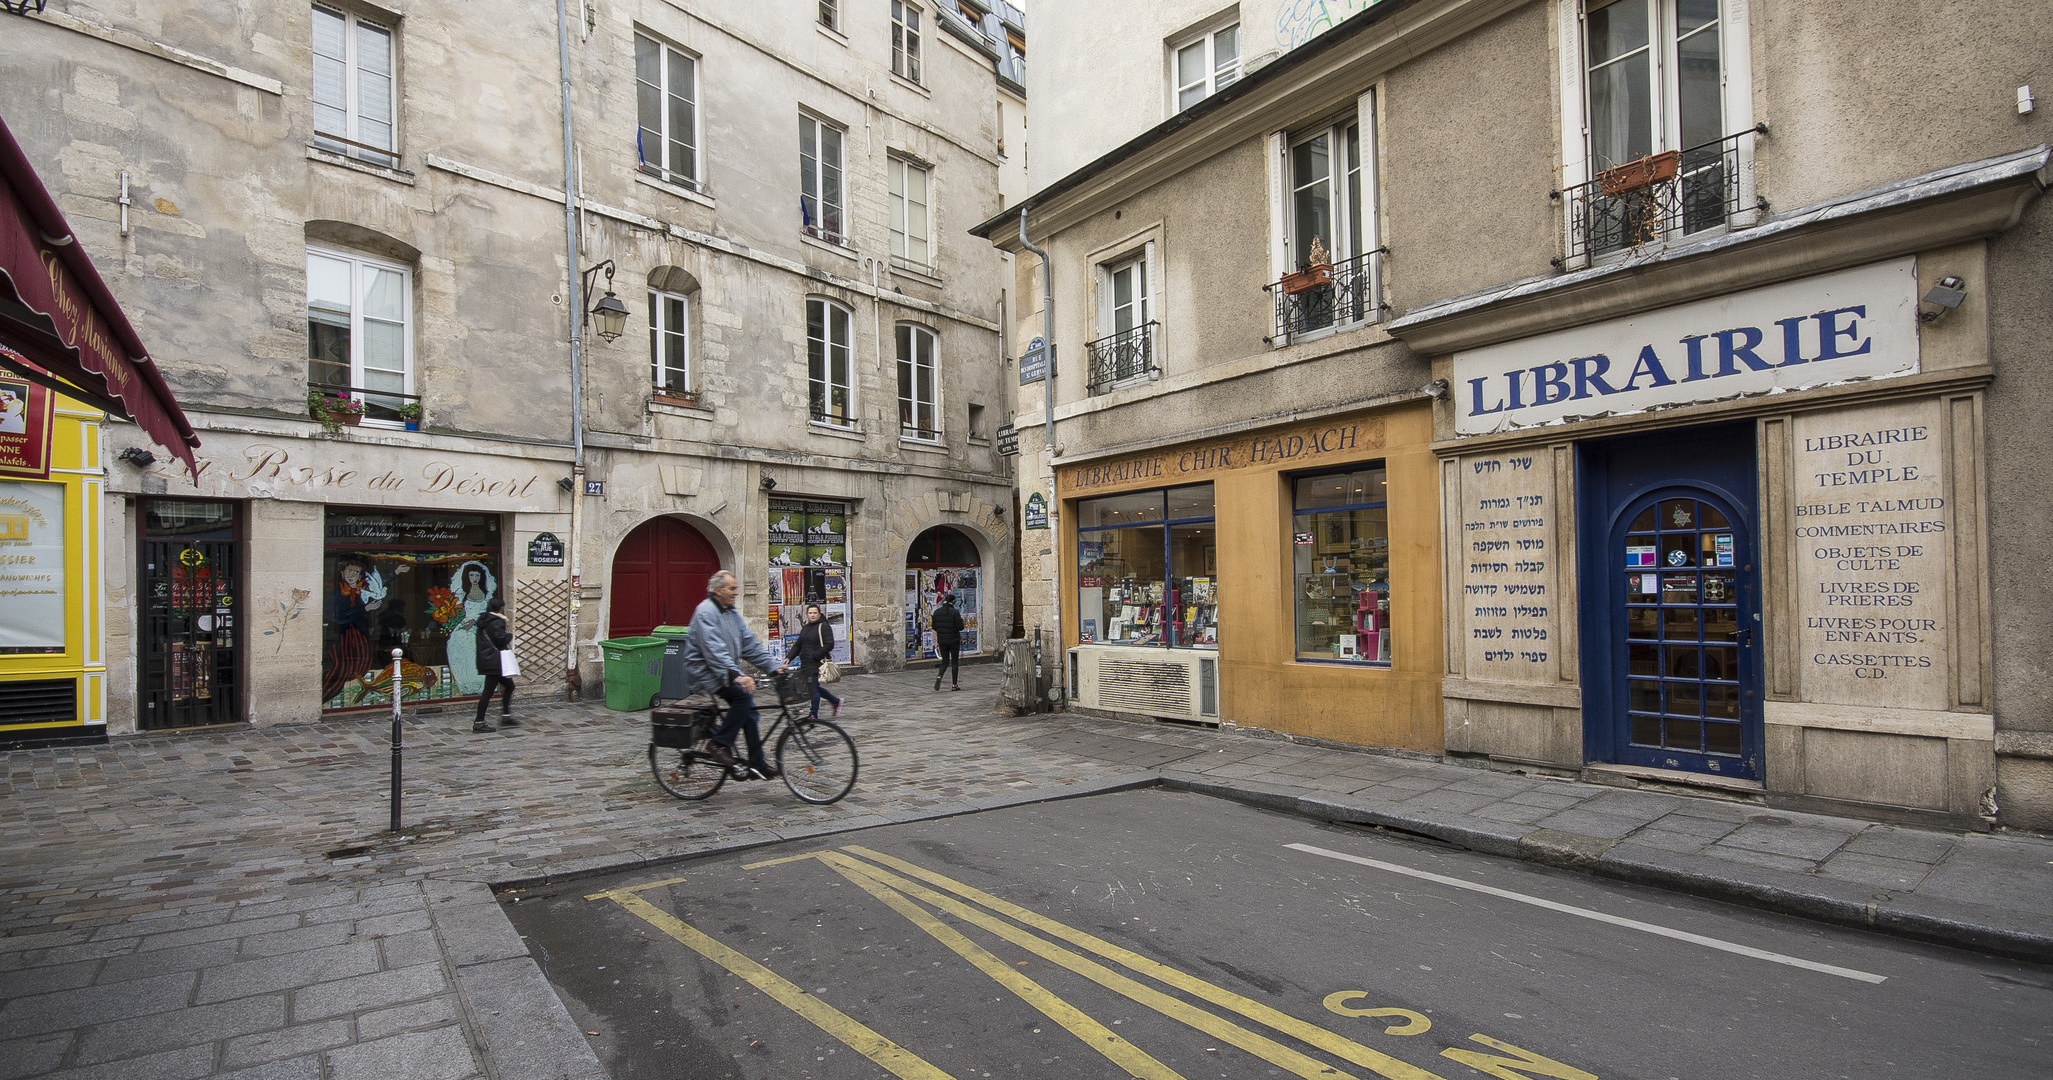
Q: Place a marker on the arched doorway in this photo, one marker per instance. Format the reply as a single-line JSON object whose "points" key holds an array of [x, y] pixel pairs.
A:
{"points": [[659, 577], [942, 561]]}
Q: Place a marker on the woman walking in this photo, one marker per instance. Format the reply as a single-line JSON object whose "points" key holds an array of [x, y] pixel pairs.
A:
{"points": [[815, 643], [494, 635]]}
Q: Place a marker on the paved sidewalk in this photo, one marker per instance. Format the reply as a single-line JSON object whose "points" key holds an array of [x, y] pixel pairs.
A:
{"points": [[228, 903]]}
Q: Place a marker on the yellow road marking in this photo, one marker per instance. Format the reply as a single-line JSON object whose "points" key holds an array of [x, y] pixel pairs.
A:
{"points": [[1135, 1061], [1381, 1063], [631, 889], [780, 862], [890, 1055], [1502, 1067], [1415, 1023], [1225, 1030]]}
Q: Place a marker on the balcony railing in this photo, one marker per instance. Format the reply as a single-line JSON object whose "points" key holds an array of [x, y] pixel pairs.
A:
{"points": [[1117, 358], [378, 404], [822, 416], [1703, 193], [1338, 295]]}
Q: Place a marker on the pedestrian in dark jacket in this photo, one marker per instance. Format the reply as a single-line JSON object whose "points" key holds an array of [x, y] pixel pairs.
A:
{"points": [[814, 643], [493, 635], [946, 623]]}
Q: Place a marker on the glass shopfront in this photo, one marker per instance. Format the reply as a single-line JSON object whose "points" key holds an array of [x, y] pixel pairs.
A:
{"points": [[416, 582], [1147, 568], [1340, 540]]}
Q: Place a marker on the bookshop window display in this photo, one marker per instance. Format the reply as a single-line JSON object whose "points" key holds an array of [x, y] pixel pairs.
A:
{"points": [[416, 582], [1340, 527], [1147, 569]]}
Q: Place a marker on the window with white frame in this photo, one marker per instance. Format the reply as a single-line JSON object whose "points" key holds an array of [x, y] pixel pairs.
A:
{"points": [[905, 41], [821, 201], [353, 87], [1654, 77], [1326, 213], [918, 387], [359, 340], [1202, 66], [1324, 236], [830, 389], [1125, 351], [830, 14], [670, 342], [666, 84], [910, 248]]}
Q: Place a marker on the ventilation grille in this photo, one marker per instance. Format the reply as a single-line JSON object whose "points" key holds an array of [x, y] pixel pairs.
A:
{"points": [[1143, 686], [39, 701]]}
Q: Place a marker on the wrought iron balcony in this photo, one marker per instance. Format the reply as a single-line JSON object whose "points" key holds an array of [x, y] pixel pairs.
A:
{"points": [[1658, 198], [822, 416], [1117, 358], [1323, 296]]}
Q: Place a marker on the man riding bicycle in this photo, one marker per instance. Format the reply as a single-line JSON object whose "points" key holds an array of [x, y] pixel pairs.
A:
{"points": [[719, 642]]}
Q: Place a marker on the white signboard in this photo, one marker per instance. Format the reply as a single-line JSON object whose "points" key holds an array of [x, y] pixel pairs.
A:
{"points": [[1852, 324], [31, 565]]}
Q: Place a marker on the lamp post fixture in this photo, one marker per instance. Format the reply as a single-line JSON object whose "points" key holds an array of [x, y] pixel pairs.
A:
{"points": [[611, 312]]}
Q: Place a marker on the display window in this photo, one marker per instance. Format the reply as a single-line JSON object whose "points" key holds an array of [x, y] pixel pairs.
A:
{"points": [[1147, 569], [416, 582], [1340, 544]]}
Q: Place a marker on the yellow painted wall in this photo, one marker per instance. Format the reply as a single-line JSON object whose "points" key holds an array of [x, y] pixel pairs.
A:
{"points": [[1261, 683], [75, 465]]}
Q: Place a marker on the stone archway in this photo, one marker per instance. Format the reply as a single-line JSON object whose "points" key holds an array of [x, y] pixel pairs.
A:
{"points": [[945, 558], [659, 576]]}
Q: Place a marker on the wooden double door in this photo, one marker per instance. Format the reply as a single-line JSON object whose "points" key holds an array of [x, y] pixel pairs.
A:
{"points": [[659, 577]]}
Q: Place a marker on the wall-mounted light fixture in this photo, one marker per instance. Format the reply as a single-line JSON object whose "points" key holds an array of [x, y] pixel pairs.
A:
{"points": [[769, 483], [1942, 298], [1436, 389], [138, 457], [611, 313], [566, 483]]}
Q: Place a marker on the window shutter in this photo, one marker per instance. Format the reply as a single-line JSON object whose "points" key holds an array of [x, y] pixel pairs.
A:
{"points": [[1365, 116], [1279, 204], [1154, 310], [1104, 302]]}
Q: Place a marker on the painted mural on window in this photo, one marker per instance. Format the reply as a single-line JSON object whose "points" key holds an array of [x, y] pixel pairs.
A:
{"points": [[416, 582]]}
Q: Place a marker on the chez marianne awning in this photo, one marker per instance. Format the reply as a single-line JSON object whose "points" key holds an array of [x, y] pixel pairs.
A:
{"points": [[60, 327]]}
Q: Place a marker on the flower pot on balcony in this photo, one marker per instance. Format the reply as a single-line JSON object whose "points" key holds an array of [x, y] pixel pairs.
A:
{"points": [[1310, 277], [1639, 173], [346, 419], [413, 425]]}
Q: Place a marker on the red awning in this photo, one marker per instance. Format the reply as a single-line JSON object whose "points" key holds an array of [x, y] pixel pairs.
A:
{"points": [[59, 324]]}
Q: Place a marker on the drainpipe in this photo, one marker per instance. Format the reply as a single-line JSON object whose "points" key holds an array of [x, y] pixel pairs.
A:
{"points": [[1048, 424], [577, 384]]}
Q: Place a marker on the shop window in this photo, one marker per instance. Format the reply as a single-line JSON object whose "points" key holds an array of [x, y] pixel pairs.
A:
{"points": [[666, 107], [829, 385], [359, 332], [405, 580], [353, 87], [809, 565], [1340, 546], [1147, 569]]}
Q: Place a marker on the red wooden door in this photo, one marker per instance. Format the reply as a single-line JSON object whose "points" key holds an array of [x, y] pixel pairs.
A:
{"points": [[659, 577]]}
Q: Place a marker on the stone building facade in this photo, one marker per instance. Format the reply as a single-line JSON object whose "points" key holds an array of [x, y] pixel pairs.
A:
{"points": [[362, 208], [1699, 396]]}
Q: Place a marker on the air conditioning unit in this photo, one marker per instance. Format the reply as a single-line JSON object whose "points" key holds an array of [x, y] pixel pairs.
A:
{"points": [[1176, 684]]}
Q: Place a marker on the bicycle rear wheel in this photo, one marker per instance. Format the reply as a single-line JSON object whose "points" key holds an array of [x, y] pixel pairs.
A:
{"points": [[687, 774], [817, 759]]}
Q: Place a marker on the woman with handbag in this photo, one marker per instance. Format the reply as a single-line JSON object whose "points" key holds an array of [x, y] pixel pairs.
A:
{"points": [[814, 647], [495, 644]]}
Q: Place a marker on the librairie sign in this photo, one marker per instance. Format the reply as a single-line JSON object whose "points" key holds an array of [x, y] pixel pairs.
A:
{"points": [[1851, 324]]}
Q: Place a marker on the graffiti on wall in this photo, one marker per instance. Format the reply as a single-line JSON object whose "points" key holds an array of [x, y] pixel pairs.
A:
{"points": [[1299, 21]]}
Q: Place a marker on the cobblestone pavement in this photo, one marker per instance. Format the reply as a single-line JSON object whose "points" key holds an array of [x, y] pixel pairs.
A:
{"points": [[228, 903]]}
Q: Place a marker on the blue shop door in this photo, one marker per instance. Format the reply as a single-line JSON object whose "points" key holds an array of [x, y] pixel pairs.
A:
{"points": [[1685, 614]]}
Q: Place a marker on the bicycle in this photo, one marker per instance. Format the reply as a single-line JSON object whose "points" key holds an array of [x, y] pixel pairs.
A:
{"points": [[815, 757]]}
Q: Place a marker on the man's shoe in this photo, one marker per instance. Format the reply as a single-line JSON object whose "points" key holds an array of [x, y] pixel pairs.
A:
{"points": [[506, 720], [954, 687], [721, 755], [765, 772], [482, 728]]}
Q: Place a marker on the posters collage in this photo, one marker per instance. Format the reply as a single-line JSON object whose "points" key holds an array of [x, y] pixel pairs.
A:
{"points": [[923, 592], [809, 565]]}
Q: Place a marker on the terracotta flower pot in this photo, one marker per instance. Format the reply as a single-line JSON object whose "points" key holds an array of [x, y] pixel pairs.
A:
{"points": [[1310, 277], [1639, 173]]}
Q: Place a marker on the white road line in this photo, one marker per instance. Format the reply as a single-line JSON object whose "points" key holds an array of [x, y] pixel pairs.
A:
{"points": [[1634, 924]]}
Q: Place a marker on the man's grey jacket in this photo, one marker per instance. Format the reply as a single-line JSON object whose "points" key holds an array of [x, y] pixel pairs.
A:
{"points": [[719, 641]]}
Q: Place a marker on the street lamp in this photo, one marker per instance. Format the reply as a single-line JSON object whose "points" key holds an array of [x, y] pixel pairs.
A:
{"points": [[611, 312]]}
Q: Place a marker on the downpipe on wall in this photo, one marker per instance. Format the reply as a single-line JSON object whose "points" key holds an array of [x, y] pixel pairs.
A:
{"points": [[572, 680], [1045, 698]]}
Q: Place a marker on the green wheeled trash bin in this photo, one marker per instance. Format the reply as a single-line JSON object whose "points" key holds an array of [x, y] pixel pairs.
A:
{"points": [[673, 661], [634, 672]]}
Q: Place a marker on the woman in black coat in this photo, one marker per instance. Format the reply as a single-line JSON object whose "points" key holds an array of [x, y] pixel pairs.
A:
{"points": [[493, 635], [814, 643]]}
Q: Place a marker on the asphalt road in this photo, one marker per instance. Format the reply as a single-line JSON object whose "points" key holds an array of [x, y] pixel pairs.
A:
{"points": [[1159, 934]]}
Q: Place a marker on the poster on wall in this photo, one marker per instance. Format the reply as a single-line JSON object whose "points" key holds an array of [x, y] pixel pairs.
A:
{"points": [[31, 567], [793, 588], [924, 589], [416, 582], [27, 414], [787, 534]]}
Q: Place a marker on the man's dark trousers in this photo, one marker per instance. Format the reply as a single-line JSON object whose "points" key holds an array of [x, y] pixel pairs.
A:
{"points": [[741, 713], [951, 663]]}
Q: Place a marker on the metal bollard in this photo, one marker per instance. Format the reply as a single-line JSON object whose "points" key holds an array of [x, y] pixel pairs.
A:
{"points": [[395, 740], [1040, 675]]}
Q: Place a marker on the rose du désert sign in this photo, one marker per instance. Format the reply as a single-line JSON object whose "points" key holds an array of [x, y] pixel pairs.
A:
{"points": [[1852, 324]]}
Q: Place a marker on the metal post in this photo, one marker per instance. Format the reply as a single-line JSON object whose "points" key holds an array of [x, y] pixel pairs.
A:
{"points": [[395, 740], [1040, 678]]}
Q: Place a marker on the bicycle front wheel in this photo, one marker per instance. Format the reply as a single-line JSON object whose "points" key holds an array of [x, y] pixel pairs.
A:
{"points": [[817, 759], [686, 774]]}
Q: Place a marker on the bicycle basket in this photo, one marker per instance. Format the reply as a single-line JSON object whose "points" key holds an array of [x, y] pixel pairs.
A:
{"points": [[791, 689], [671, 736]]}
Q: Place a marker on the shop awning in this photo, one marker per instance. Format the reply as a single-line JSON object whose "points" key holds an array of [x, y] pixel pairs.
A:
{"points": [[60, 327]]}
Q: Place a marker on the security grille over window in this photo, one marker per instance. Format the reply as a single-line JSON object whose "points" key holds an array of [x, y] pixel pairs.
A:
{"points": [[1127, 355], [1339, 294], [1658, 197]]}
